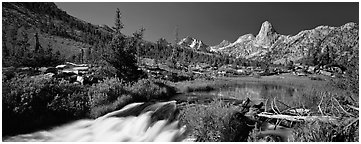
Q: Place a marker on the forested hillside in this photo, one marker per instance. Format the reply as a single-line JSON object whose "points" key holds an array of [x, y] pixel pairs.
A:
{"points": [[75, 40]]}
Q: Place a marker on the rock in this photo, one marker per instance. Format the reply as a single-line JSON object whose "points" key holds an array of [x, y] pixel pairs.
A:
{"points": [[80, 79], [61, 66], [241, 126], [326, 73], [193, 43], [311, 69], [266, 36]]}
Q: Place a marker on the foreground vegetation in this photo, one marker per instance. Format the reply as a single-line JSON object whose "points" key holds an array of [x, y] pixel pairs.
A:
{"points": [[38, 102], [211, 121]]}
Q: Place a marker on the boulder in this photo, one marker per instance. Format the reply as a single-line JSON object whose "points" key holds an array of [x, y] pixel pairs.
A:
{"points": [[326, 73], [311, 69]]}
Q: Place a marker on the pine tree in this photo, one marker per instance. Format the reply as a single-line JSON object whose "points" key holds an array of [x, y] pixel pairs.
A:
{"points": [[118, 23], [122, 52]]}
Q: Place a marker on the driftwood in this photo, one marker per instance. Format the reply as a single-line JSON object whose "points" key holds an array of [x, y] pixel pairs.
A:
{"points": [[338, 103], [319, 107], [353, 107], [274, 103], [330, 119]]}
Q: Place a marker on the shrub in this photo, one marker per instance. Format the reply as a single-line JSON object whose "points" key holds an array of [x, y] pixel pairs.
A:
{"points": [[208, 122], [40, 101], [106, 92], [70, 99], [146, 90]]}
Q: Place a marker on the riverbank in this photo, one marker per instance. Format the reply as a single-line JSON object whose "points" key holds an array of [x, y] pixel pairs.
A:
{"points": [[205, 112]]}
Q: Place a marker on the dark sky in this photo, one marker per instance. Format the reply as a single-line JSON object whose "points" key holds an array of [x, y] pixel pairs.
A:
{"points": [[213, 22]]}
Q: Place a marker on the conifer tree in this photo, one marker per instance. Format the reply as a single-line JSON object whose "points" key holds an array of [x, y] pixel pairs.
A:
{"points": [[118, 23], [122, 52]]}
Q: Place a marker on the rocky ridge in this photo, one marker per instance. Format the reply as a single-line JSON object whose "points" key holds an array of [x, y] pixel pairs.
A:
{"points": [[193, 43], [323, 39]]}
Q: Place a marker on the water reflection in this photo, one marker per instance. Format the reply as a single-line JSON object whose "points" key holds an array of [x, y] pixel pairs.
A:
{"points": [[255, 91]]}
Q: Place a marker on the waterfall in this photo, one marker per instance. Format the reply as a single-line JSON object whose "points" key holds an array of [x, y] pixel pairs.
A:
{"points": [[137, 122]]}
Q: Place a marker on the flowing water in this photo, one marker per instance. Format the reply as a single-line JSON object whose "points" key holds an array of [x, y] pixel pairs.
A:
{"points": [[135, 122]]}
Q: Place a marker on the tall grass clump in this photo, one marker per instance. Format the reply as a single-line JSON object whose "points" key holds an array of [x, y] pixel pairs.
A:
{"points": [[208, 123], [324, 132]]}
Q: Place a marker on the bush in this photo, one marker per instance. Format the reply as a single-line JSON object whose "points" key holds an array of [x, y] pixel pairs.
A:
{"points": [[40, 101], [70, 99], [146, 90], [106, 92], [208, 123]]}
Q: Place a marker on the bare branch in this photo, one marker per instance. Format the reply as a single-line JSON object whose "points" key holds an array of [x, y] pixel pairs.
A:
{"points": [[274, 101], [342, 107], [319, 107], [273, 108], [265, 105], [356, 120], [353, 107]]}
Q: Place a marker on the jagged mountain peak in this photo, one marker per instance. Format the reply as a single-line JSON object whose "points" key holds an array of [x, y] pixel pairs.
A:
{"points": [[266, 36], [266, 28], [193, 43], [291, 47]]}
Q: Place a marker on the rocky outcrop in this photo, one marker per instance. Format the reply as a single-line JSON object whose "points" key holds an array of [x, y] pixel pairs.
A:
{"points": [[337, 43], [266, 36], [224, 43], [193, 43], [248, 45]]}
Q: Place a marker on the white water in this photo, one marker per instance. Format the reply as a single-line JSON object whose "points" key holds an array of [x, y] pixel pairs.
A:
{"points": [[111, 128]]}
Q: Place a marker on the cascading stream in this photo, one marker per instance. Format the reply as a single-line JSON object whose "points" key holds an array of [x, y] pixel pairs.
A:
{"points": [[135, 122]]}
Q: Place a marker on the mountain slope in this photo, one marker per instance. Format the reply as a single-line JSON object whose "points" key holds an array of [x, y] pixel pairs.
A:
{"points": [[74, 39], [336, 42]]}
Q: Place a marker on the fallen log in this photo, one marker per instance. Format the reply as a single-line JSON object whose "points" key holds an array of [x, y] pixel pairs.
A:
{"points": [[329, 119]]}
